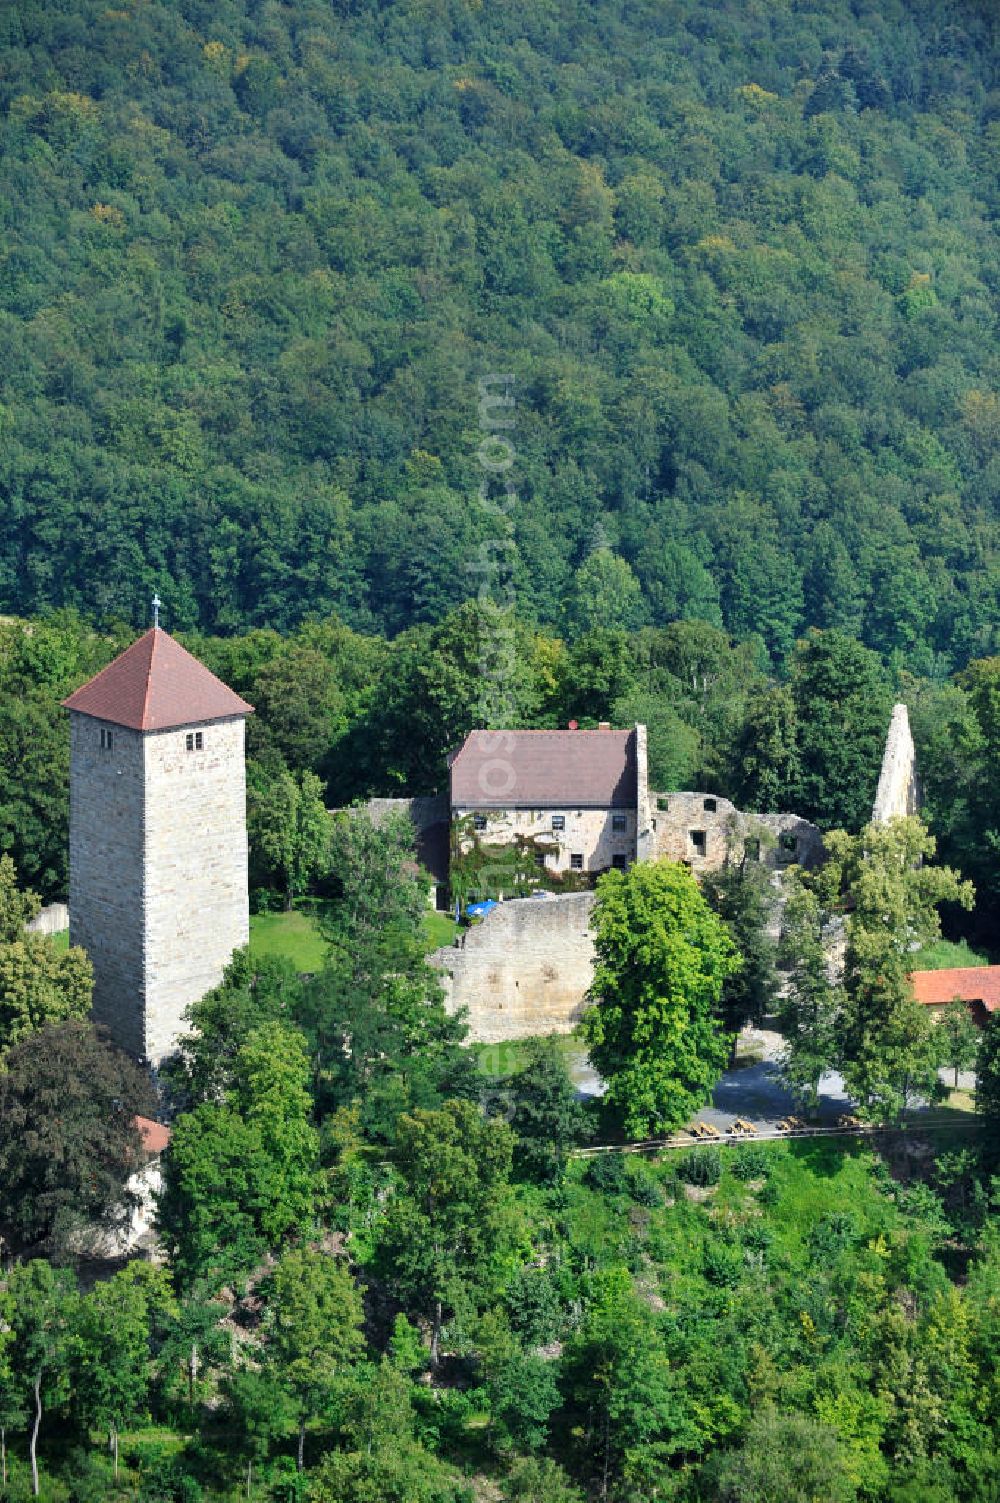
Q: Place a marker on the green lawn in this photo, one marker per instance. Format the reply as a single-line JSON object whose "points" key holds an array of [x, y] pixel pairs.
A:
{"points": [[440, 929], [945, 954], [500, 1060], [296, 936], [293, 935]]}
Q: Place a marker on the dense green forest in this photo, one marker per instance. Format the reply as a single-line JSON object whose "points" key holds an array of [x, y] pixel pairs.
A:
{"points": [[739, 259]]}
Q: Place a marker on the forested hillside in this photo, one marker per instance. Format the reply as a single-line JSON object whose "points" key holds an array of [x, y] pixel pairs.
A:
{"points": [[739, 257]]}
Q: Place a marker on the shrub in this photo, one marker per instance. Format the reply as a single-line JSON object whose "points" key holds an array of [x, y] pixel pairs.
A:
{"points": [[608, 1174], [723, 1264], [752, 1161], [700, 1166], [537, 1305], [645, 1192], [831, 1234]]}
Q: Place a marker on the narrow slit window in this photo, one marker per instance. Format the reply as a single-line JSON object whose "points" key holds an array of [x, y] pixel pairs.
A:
{"points": [[107, 739]]}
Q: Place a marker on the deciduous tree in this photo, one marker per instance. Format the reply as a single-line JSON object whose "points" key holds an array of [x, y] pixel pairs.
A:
{"points": [[313, 1331], [891, 890], [242, 1175], [447, 1218], [39, 1304], [812, 1006], [663, 958], [959, 1039], [68, 1139], [288, 827]]}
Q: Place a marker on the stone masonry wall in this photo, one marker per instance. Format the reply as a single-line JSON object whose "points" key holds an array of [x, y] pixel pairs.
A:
{"points": [[422, 812], [158, 871], [52, 919], [195, 870], [524, 970], [107, 880], [589, 833], [898, 790], [679, 818], [527, 967]]}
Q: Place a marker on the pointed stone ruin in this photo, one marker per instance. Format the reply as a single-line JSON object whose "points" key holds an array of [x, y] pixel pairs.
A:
{"points": [[898, 785]]}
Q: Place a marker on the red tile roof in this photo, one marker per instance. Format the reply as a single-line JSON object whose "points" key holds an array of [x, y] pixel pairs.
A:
{"points": [[155, 1136], [156, 685], [974, 983], [545, 769]]}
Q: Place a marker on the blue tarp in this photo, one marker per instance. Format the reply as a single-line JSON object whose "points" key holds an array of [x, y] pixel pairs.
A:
{"points": [[477, 910]]}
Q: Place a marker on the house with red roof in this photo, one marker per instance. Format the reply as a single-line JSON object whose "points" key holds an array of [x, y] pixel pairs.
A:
{"points": [[977, 986], [577, 799]]}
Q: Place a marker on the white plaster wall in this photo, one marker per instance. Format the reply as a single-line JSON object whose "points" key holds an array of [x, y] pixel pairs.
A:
{"points": [[588, 832], [52, 919]]}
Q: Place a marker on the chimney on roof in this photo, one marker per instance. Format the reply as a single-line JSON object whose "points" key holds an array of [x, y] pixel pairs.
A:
{"points": [[574, 725], [604, 725]]}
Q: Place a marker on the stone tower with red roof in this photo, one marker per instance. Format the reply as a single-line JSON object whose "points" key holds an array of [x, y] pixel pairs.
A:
{"points": [[158, 843]]}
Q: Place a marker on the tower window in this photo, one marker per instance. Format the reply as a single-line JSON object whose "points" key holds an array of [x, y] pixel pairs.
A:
{"points": [[619, 822], [107, 739], [194, 741]]}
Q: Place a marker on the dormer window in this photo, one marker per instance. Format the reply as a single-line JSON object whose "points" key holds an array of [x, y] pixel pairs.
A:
{"points": [[194, 741], [107, 739]]}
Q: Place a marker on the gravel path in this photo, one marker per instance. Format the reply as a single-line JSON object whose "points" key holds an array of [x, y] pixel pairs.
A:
{"points": [[753, 1089]]}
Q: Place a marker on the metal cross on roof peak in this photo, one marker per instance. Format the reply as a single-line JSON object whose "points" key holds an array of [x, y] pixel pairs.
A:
{"points": [[157, 602]]}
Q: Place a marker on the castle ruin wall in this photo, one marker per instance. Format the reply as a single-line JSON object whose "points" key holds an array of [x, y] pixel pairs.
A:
{"points": [[898, 790], [524, 970]]}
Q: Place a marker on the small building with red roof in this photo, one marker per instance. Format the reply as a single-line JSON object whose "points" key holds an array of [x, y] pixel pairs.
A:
{"points": [[158, 847], [977, 986]]}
